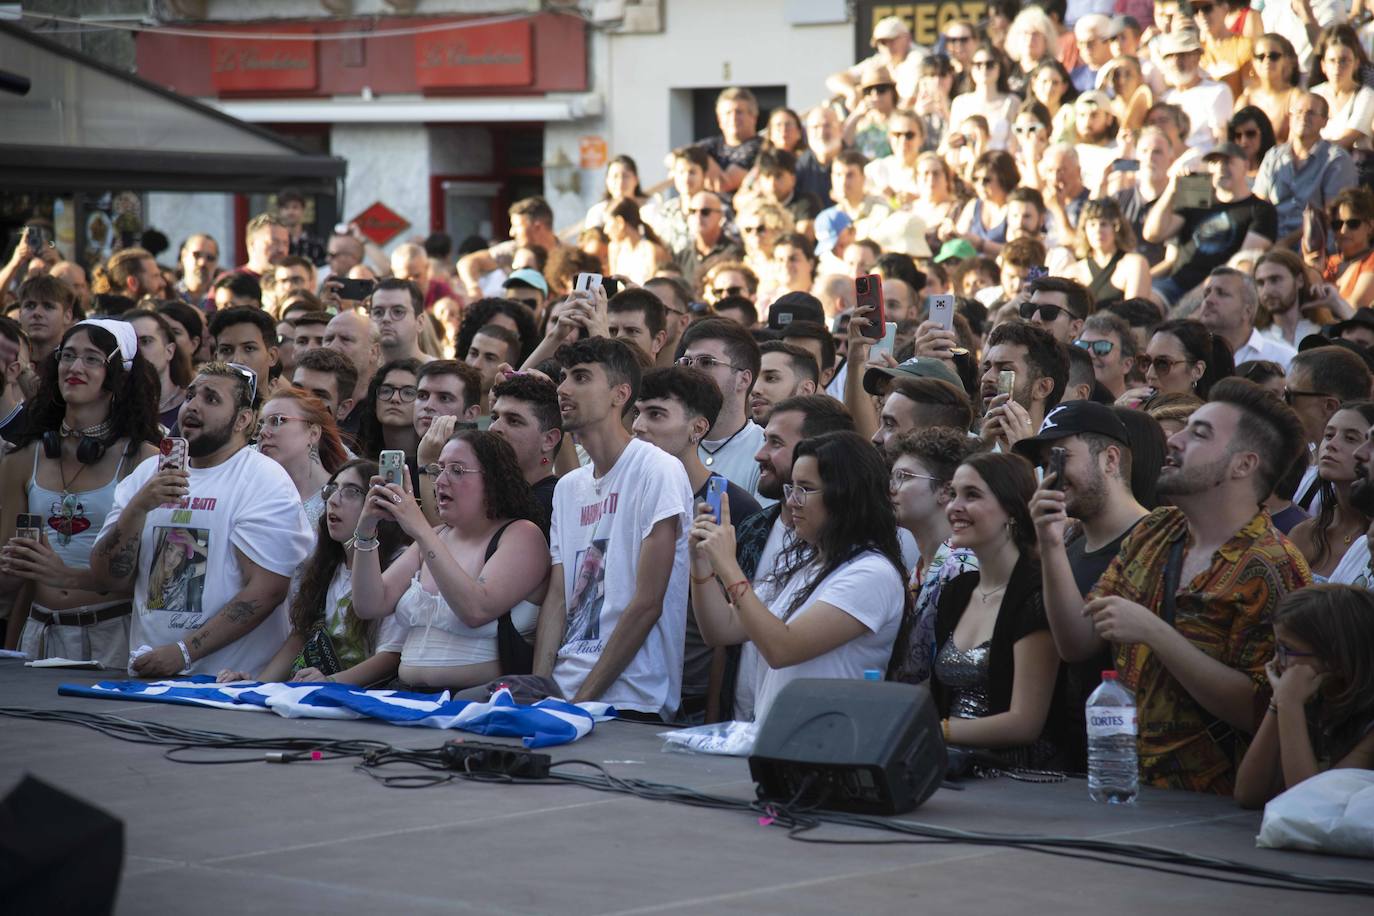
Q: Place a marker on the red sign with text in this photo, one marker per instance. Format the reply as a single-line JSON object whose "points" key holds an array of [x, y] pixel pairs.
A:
{"points": [[381, 223], [480, 56], [244, 65]]}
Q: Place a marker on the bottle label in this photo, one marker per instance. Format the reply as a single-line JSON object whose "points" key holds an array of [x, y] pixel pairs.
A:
{"points": [[1110, 721]]}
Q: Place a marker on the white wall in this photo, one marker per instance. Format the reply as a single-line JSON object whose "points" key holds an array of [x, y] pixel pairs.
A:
{"points": [[178, 216], [707, 43], [387, 163]]}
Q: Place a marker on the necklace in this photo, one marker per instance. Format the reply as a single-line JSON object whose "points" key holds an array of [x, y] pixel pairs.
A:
{"points": [[710, 458], [985, 595], [98, 431]]}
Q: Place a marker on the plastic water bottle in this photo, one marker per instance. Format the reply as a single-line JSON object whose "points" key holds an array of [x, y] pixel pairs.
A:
{"points": [[1113, 773]]}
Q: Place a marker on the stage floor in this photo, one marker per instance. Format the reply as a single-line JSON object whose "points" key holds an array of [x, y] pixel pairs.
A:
{"points": [[320, 838]]}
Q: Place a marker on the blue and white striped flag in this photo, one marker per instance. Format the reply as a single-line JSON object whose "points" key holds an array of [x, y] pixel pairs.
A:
{"points": [[548, 722]]}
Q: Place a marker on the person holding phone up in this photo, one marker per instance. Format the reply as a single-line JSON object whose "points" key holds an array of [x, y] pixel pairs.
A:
{"points": [[93, 420]]}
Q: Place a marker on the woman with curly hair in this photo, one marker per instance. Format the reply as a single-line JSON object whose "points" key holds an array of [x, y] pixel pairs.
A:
{"points": [[467, 592], [328, 641], [93, 420]]}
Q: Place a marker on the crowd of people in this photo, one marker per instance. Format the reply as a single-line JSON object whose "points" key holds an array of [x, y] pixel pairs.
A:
{"points": [[1142, 444]]}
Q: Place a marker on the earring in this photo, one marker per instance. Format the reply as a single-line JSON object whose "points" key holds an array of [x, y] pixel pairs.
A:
{"points": [[544, 460], [315, 452]]}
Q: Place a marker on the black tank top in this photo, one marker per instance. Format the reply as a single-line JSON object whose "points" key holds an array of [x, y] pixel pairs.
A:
{"points": [[1101, 287]]}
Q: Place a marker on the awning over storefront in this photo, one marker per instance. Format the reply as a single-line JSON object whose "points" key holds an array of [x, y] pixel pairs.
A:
{"points": [[87, 126]]}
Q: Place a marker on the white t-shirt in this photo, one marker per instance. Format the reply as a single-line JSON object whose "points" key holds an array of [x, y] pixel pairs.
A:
{"points": [[1356, 114], [1208, 106], [187, 570], [338, 601], [597, 531], [750, 663], [733, 459], [867, 588]]}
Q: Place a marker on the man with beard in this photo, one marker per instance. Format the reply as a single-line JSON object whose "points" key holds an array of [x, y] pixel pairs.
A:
{"points": [[761, 539], [1041, 365], [1279, 275], [785, 371], [1185, 605], [211, 547], [1096, 127]]}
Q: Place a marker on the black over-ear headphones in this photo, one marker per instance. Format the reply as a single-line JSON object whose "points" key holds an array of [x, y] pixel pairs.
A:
{"points": [[88, 451]]}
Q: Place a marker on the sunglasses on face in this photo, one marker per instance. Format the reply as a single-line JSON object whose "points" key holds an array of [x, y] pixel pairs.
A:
{"points": [[1162, 365], [1250, 134], [984, 64], [1202, 9], [1029, 128], [722, 291], [1269, 56], [1047, 313], [1096, 347], [1342, 224], [957, 39], [1290, 395], [877, 90], [702, 211], [902, 134]]}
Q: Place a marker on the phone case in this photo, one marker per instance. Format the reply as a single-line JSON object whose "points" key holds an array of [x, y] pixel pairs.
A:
{"points": [[1006, 381], [173, 450], [587, 282], [392, 465], [942, 310], [868, 291], [715, 492]]}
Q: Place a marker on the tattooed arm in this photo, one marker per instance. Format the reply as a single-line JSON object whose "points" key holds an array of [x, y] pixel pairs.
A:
{"points": [[262, 591], [114, 559]]}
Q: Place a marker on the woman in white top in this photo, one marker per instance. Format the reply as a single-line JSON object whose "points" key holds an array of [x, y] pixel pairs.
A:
{"points": [[1031, 38], [298, 432], [634, 250], [833, 605], [990, 96], [894, 177], [328, 641], [935, 199], [622, 181], [488, 560], [1350, 121]]}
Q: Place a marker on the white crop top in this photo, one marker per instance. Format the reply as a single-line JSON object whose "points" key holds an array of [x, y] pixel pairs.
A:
{"points": [[435, 637]]}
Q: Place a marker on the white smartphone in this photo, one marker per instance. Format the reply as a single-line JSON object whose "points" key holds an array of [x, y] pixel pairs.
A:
{"points": [[942, 310], [889, 340], [586, 283]]}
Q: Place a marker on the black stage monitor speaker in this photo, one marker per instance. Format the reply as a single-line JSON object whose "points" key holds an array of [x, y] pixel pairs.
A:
{"points": [[870, 747], [57, 853]]}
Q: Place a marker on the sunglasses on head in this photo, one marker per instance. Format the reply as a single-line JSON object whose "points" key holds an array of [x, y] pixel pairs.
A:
{"points": [[1096, 347]]}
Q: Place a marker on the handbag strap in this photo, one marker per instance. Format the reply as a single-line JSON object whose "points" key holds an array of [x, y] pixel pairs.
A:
{"points": [[1173, 569]]}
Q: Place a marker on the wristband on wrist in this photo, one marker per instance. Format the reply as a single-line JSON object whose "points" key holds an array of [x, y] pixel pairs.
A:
{"points": [[365, 545], [702, 580], [736, 591], [185, 652], [944, 729], [1274, 707]]}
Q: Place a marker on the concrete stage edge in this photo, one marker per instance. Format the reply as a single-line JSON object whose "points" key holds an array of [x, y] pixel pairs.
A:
{"points": [[320, 838]]}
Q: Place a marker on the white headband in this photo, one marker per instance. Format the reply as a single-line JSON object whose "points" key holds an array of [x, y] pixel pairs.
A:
{"points": [[124, 335]]}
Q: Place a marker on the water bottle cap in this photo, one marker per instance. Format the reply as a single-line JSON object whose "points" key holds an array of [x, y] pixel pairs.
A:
{"points": [[1109, 675], [872, 674]]}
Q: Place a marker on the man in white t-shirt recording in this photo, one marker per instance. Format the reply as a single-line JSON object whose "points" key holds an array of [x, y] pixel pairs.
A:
{"points": [[209, 543], [612, 626]]}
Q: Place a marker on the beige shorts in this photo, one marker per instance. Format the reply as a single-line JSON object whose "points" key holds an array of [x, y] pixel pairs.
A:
{"points": [[48, 635]]}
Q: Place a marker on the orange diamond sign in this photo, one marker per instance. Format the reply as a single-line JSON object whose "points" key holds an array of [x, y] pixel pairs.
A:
{"points": [[381, 223]]}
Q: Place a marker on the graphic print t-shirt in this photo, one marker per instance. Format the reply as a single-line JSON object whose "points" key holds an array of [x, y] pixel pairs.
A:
{"points": [[598, 530], [187, 570]]}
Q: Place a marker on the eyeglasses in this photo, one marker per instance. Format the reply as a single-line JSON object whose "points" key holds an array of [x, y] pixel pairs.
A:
{"points": [[389, 393], [67, 356], [706, 363], [900, 477], [351, 491], [1048, 313], [453, 469], [250, 377], [796, 494], [1292, 394], [902, 134], [1270, 56], [278, 421], [1286, 654], [394, 312], [1342, 224], [703, 211], [1096, 347], [957, 39], [1163, 365]]}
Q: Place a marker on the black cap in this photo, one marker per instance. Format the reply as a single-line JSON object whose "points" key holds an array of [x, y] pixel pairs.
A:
{"points": [[798, 306], [1363, 318], [1071, 419], [1313, 341]]}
